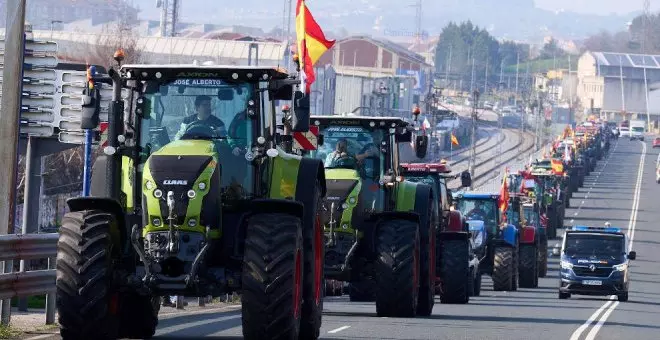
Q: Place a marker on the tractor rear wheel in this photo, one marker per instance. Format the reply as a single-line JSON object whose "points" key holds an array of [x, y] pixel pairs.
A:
{"points": [[528, 270], [313, 258], [86, 299], [397, 268], [455, 271], [503, 268], [543, 257], [272, 277], [426, 298], [362, 287], [139, 316]]}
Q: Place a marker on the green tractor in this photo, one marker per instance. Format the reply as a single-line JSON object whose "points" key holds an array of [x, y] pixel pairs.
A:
{"points": [[213, 209], [377, 225]]}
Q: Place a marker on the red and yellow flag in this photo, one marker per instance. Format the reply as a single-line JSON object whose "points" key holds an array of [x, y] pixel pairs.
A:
{"points": [[454, 140], [311, 44], [504, 193]]}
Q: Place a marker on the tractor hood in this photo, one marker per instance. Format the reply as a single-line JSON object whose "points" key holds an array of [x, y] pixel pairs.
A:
{"points": [[343, 187], [185, 168], [478, 231]]}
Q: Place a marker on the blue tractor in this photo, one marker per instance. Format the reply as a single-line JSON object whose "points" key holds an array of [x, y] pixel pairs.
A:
{"points": [[498, 255]]}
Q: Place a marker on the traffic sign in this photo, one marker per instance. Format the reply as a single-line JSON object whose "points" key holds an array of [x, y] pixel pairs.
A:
{"points": [[306, 140]]}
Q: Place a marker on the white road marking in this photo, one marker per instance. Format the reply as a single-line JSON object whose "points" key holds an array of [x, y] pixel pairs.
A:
{"points": [[631, 236], [578, 332], [337, 330], [42, 336]]}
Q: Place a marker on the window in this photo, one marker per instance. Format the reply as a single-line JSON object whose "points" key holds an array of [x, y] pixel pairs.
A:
{"points": [[480, 209]]}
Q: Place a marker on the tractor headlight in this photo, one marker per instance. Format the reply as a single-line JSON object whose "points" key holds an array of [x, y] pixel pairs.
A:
{"points": [[344, 205], [344, 226], [201, 186], [150, 185], [158, 193], [352, 200], [191, 194], [566, 265], [192, 222], [156, 222]]}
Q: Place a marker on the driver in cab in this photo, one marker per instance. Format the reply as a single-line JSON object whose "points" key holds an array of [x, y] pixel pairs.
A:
{"points": [[341, 151], [203, 108], [478, 210]]}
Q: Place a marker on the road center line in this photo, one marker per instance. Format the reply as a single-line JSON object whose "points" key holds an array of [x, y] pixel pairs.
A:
{"points": [[631, 234], [337, 330]]}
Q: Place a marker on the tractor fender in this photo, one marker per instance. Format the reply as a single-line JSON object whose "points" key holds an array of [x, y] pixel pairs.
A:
{"points": [[455, 222], [528, 235], [452, 236], [510, 235], [270, 205], [108, 205]]}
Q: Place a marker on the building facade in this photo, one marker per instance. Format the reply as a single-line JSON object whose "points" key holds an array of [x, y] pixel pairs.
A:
{"points": [[617, 83]]}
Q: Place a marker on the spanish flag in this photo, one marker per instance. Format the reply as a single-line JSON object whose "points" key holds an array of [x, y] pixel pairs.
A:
{"points": [[504, 193], [311, 44], [454, 140]]}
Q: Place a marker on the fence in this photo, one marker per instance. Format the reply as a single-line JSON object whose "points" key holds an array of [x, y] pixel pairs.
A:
{"points": [[27, 283]]}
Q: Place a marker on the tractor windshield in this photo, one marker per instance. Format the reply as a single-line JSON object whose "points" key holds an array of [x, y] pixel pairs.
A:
{"points": [[480, 209], [198, 109], [531, 216], [352, 147]]}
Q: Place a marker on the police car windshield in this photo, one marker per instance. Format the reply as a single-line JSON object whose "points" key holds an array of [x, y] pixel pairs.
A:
{"points": [[578, 244]]}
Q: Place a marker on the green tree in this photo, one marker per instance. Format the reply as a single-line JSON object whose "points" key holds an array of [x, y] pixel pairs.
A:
{"points": [[551, 50], [466, 43]]}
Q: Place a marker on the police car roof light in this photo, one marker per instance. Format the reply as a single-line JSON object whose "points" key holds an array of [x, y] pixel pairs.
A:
{"points": [[601, 229]]}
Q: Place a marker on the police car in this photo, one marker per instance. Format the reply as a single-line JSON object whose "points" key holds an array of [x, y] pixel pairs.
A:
{"points": [[594, 261]]}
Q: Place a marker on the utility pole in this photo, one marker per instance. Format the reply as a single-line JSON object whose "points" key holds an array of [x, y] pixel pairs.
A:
{"points": [[472, 76], [645, 21], [448, 70], [12, 75], [473, 149], [515, 98]]}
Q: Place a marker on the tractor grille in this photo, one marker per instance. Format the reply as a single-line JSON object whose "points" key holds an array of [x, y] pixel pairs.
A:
{"points": [[180, 168]]}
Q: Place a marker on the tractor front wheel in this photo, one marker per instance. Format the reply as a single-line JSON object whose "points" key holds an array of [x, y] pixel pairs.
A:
{"points": [[397, 268], [503, 269], [272, 277], [86, 300]]}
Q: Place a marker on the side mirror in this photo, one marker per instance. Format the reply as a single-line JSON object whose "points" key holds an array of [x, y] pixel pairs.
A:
{"points": [[421, 145], [91, 101], [405, 137], [632, 255], [466, 179], [143, 107], [300, 117]]}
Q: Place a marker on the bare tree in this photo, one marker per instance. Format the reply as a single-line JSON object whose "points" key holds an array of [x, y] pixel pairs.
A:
{"points": [[115, 36]]}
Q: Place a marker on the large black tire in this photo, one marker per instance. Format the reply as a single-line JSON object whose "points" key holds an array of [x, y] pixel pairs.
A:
{"points": [[543, 257], [314, 263], [426, 298], [552, 223], [455, 271], [477, 284], [272, 277], [528, 270], [86, 300], [397, 268], [139, 316], [362, 288], [516, 266], [503, 269]]}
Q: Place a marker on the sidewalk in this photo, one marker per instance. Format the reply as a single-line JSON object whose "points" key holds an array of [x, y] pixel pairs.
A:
{"points": [[33, 322]]}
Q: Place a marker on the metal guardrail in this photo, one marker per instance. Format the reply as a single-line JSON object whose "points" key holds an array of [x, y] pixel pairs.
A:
{"points": [[28, 283]]}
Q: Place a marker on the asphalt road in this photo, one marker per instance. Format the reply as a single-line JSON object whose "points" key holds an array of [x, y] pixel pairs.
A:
{"points": [[617, 192]]}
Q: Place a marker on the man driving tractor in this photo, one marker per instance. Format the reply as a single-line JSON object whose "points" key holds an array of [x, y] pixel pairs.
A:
{"points": [[341, 152], [203, 114]]}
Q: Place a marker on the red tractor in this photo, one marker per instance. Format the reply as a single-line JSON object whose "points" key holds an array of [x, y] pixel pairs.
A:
{"points": [[452, 261]]}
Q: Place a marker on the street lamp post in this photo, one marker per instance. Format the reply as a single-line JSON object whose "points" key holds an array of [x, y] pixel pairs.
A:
{"points": [[473, 150]]}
